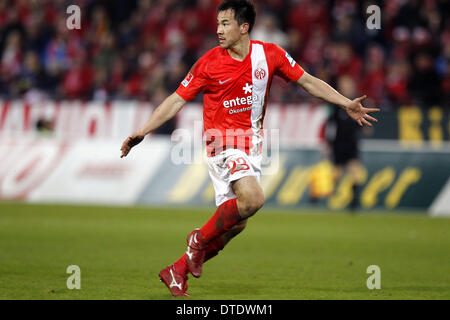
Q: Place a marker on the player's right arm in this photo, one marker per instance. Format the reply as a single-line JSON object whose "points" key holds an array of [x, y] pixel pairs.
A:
{"points": [[163, 113], [194, 83]]}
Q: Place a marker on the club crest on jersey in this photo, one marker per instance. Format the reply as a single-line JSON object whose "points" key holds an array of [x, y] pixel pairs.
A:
{"points": [[260, 73], [187, 80], [290, 59]]}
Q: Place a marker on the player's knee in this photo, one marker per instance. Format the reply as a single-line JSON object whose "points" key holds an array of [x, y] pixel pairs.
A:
{"points": [[257, 202], [250, 205]]}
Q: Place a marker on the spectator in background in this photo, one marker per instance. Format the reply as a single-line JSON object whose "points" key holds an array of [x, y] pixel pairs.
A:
{"points": [[12, 55], [443, 69], [105, 53], [328, 37], [425, 82], [31, 76], [79, 79], [55, 56], [100, 89], [348, 25], [397, 79], [373, 81], [308, 15], [313, 52], [343, 60], [116, 77], [267, 30]]}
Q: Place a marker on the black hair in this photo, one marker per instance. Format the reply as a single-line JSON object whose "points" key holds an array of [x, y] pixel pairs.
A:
{"points": [[244, 11]]}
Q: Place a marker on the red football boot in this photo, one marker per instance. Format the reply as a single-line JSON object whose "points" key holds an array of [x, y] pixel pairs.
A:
{"points": [[195, 253], [176, 283]]}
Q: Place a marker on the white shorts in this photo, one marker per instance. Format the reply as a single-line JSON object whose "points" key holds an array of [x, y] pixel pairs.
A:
{"points": [[228, 166]]}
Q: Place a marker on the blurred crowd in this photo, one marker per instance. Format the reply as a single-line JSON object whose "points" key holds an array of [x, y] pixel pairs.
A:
{"points": [[142, 49]]}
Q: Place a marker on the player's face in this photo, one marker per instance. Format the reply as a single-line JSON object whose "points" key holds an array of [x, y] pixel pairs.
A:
{"points": [[228, 29]]}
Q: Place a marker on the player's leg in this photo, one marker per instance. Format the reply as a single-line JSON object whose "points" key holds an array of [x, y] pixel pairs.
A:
{"points": [[233, 232], [249, 200], [175, 275], [236, 191], [220, 242], [213, 247], [250, 196], [227, 220]]}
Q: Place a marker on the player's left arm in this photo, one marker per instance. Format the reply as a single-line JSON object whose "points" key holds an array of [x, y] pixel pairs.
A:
{"points": [[324, 91]]}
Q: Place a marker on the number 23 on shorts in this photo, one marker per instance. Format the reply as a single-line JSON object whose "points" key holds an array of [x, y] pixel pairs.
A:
{"points": [[238, 165]]}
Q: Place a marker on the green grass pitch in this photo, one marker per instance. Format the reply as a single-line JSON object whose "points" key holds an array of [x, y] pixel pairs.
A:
{"points": [[281, 255]]}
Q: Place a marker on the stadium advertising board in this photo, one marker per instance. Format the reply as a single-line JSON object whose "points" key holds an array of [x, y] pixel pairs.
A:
{"points": [[80, 171], [413, 125], [90, 171], [391, 179], [79, 160], [301, 123], [116, 120]]}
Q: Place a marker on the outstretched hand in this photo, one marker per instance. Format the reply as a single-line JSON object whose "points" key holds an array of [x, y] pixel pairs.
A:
{"points": [[359, 113], [130, 142]]}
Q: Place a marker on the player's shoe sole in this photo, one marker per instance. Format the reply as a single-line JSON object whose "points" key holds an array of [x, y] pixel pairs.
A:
{"points": [[175, 282], [195, 253]]}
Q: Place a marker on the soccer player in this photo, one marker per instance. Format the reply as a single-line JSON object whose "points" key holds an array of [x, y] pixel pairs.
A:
{"points": [[235, 78]]}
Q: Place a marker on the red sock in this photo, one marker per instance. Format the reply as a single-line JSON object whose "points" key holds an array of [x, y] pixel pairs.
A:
{"points": [[226, 216], [213, 248], [180, 265]]}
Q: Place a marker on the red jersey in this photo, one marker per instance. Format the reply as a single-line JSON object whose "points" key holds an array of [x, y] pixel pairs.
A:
{"points": [[235, 93]]}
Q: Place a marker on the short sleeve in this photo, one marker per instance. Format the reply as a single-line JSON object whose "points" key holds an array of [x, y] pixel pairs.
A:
{"points": [[285, 66], [194, 82]]}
